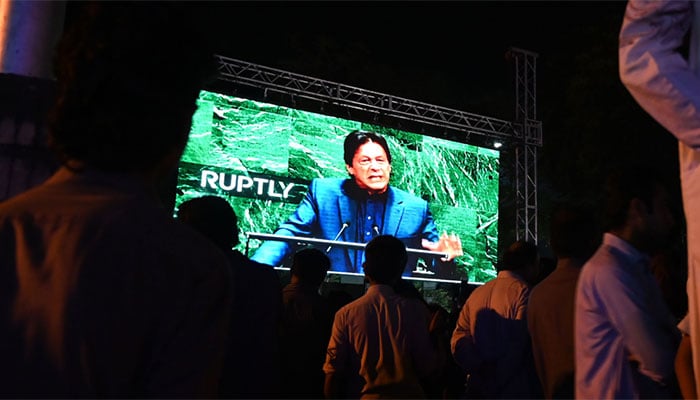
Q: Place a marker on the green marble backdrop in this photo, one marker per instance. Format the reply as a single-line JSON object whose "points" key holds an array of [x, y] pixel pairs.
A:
{"points": [[243, 137]]}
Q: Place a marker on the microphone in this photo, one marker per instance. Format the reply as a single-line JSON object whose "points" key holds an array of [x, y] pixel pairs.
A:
{"points": [[340, 232], [375, 228]]}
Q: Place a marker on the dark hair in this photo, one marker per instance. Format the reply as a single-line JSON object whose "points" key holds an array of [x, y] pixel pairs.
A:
{"points": [[573, 231], [310, 265], [385, 259], [128, 75], [519, 255], [623, 185], [213, 217], [357, 138]]}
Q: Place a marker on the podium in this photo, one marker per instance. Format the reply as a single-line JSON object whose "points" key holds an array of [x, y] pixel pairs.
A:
{"points": [[300, 240]]}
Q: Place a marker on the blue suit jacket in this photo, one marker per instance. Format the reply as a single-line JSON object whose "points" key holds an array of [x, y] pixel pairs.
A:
{"points": [[327, 205]]}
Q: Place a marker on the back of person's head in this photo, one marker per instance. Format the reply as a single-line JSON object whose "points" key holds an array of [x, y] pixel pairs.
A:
{"points": [[310, 265], [357, 138], [623, 185], [520, 255], [212, 216], [385, 259], [573, 231], [128, 76]]}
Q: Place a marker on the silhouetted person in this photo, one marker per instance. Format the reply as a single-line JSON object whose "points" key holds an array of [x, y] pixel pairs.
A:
{"points": [[448, 381], [103, 294], [659, 63], [490, 341], [337, 298], [574, 237], [380, 345], [306, 326], [251, 369], [670, 268], [625, 336]]}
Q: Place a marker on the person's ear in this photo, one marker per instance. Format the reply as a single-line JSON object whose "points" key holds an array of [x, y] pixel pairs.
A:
{"points": [[638, 208], [350, 170]]}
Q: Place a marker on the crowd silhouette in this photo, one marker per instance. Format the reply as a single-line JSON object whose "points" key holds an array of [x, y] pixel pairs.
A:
{"points": [[105, 294]]}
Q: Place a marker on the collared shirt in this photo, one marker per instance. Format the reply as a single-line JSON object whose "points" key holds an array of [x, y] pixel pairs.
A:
{"points": [[104, 294], [371, 217], [620, 320], [369, 221], [667, 86], [380, 345], [491, 342]]}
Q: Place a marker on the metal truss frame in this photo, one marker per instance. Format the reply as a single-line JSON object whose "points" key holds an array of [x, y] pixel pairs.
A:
{"points": [[526, 132], [529, 134]]}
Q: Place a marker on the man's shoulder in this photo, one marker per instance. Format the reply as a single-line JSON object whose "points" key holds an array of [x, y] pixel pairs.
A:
{"points": [[243, 262], [605, 261], [405, 196], [328, 183]]}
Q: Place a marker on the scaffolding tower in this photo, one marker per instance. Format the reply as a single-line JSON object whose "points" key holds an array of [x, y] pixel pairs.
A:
{"points": [[528, 137]]}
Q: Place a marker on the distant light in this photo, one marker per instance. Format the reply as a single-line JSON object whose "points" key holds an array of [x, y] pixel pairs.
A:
{"points": [[497, 145]]}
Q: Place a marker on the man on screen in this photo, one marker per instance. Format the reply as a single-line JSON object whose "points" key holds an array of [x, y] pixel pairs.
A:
{"points": [[362, 207]]}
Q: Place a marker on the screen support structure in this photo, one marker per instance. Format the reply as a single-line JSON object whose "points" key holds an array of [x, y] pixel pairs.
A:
{"points": [[525, 133], [528, 132]]}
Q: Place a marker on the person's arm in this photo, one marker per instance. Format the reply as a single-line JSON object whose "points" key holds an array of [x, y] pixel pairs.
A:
{"points": [[658, 77], [331, 386], [647, 333], [462, 343], [273, 252], [684, 362], [684, 369]]}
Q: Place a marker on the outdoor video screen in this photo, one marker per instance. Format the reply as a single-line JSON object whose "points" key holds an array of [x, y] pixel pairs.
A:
{"points": [[261, 157]]}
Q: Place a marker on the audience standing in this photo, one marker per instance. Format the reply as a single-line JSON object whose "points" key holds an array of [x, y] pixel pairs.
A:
{"points": [[550, 310], [625, 336], [251, 368], [307, 319], [490, 341], [380, 345], [103, 294]]}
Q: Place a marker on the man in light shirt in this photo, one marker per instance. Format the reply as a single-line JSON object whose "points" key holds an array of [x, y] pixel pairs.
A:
{"points": [[666, 84], [491, 342], [380, 346], [625, 337]]}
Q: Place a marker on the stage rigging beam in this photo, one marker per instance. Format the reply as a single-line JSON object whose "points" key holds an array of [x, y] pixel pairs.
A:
{"points": [[529, 133], [327, 92], [525, 134]]}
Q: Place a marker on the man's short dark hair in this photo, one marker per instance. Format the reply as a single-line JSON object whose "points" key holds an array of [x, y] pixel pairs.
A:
{"points": [[624, 184], [573, 231], [212, 216], [311, 265], [385, 259], [127, 78], [520, 254], [357, 138]]}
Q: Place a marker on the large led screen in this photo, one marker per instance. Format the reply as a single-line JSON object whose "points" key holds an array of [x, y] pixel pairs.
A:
{"points": [[261, 157]]}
